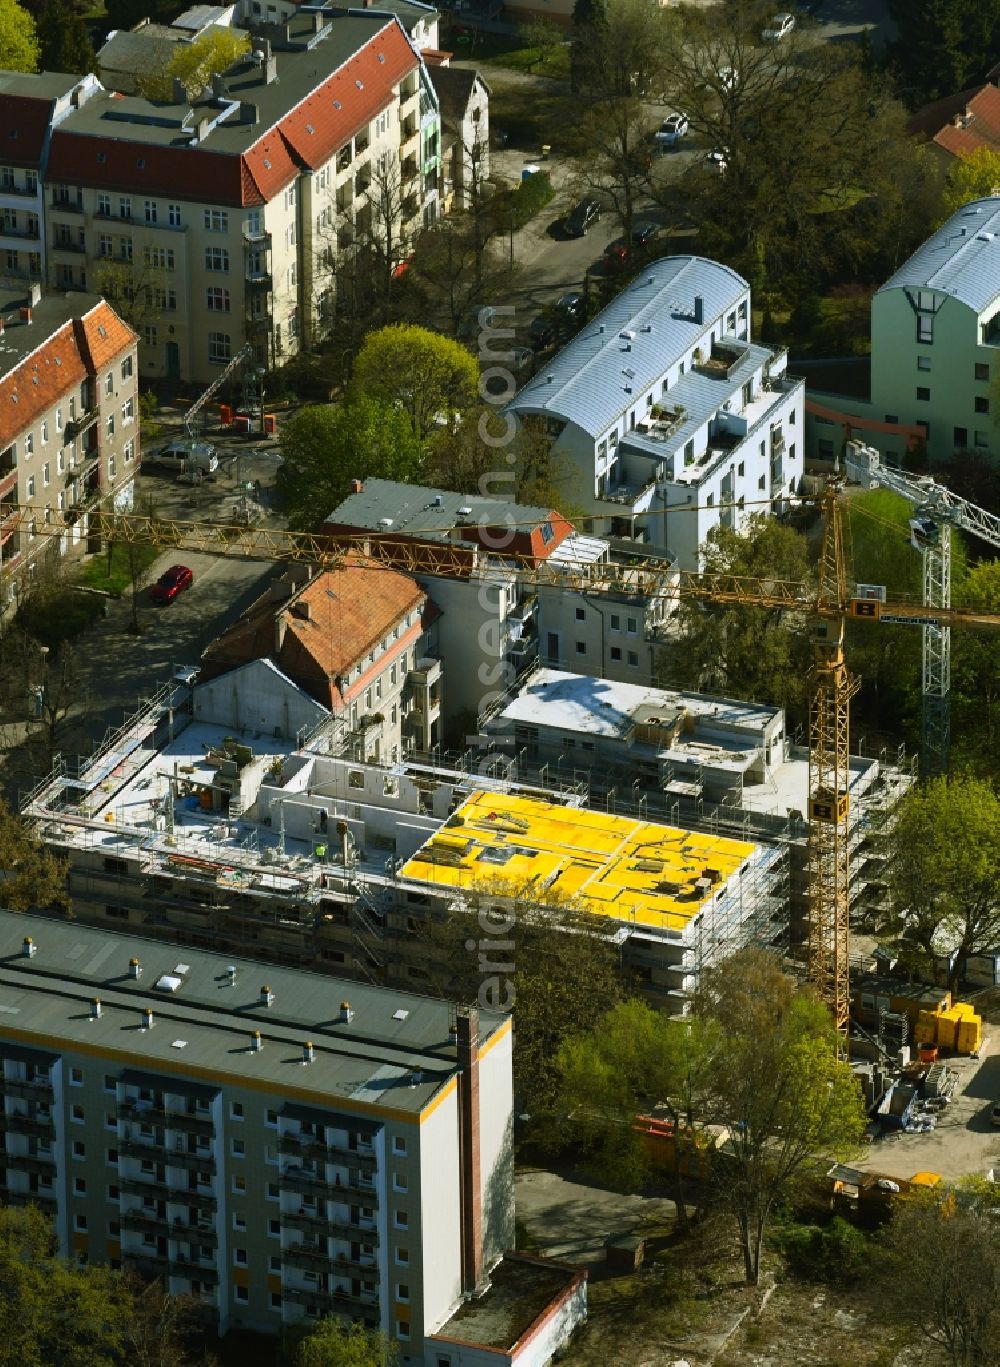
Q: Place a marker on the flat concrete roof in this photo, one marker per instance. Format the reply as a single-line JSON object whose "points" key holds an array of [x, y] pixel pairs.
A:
{"points": [[395, 1054], [521, 1290], [557, 699], [636, 872], [432, 513]]}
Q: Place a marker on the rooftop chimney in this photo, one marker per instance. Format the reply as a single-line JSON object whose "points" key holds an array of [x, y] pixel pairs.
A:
{"points": [[280, 623], [255, 1044], [319, 19], [178, 91], [356, 486], [266, 996], [28, 947], [134, 968], [25, 314], [95, 1009], [231, 973], [301, 609], [271, 70], [218, 86], [35, 294], [699, 309], [469, 1166], [147, 1018], [249, 113], [346, 1012], [308, 1052]]}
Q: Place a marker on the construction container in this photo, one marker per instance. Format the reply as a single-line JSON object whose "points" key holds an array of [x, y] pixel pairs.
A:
{"points": [[969, 1037], [875, 994], [241, 424], [926, 1029], [225, 414], [928, 1053], [947, 1028], [270, 424]]}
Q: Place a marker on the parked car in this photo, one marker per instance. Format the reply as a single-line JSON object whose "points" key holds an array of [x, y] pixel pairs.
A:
{"points": [[671, 130], [172, 582], [542, 331], [183, 455], [643, 232], [572, 307], [779, 27], [584, 216], [617, 252]]}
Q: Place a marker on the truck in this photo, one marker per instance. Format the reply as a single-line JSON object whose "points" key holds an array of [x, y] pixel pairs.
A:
{"points": [[186, 455]]}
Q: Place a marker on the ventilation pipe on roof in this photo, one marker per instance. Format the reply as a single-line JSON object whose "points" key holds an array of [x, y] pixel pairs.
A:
{"points": [[266, 996], [255, 1043], [95, 1008], [134, 968], [346, 1012], [147, 1018], [28, 947], [308, 1052], [699, 309]]}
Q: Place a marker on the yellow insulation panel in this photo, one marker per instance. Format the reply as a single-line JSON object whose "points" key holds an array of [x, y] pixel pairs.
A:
{"points": [[614, 866]]}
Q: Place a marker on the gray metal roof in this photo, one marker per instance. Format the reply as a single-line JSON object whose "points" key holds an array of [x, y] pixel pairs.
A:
{"points": [[41, 85], [19, 338], [961, 259], [586, 382], [421, 511], [378, 1058]]}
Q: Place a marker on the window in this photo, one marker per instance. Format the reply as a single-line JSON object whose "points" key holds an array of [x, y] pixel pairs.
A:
{"points": [[273, 1229], [79, 1149], [125, 248], [45, 430], [616, 653], [236, 1110], [399, 1145], [580, 614], [923, 363], [616, 622], [633, 660], [79, 1186], [216, 220], [150, 208], [76, 1077], [217, 299], [111, 1157], [76, 1114], [219, 347], [925, 328], [174, 215], [398, 1181], [128, 450], [982, 404], [111, 425], [161, 257], [240, 1257], [241, 1294], [272, 1191], [29, 443], [982, 371], [275, 1300], [127, 368], [109, 383], [402, 1329], [961, 438], [128, 411], [982, 439], [402, 1291], [239, 1148], [31, 486], [239, 1185], [581, 647], [631, 625], [402, 1256], [124, 208], [923, 394], [103, 206], [271, 1118], [400, 1218], [216, 259], [80, 1224]]}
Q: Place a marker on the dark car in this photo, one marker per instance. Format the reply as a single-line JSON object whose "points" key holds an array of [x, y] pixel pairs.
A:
{"points": [[171, 583], [617, 252], [572, 307], [542, 331], [584, 216], [643, 232]]}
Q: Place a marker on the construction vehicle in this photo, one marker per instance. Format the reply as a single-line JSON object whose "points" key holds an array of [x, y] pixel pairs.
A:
{"points": [[826, 606], [936, 511]]}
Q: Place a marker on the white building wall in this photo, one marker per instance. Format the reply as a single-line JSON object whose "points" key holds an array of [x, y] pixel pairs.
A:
{"points": [[496, 1132], [257, 697], [440, 1213]]}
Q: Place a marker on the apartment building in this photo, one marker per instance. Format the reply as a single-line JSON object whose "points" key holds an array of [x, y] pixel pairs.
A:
{"points": [[512, 581], [69, 421], [360, 640], [30, 108], [280, 1145], [419, 20], [228, 212], [668, 419], [710, 763], [935, 329], [464, 99]]}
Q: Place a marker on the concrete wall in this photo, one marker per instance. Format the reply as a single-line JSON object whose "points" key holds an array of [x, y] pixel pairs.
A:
{"points": [[257, 697], [496, 1146], [441, 1215]]}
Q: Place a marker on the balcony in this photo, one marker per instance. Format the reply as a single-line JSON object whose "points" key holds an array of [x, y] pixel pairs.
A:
{"points": [[630, 494], [77, 426], [66, 244], [304, 1255], [408, 129], [662, 421], [65, 202], [150, 1147], [258, 277], [139, 1218], [259, 238], [722, 360], [18, 1123], [27, 1087], [41, 1165], [425, 673], [44, 1202], [25, 191], [30, 232]]}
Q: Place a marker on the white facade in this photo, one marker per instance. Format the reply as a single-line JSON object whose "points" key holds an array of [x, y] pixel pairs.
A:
{"points": [[670, 420]]}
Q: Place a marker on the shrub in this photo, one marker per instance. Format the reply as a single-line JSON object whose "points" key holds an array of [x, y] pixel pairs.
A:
{"points": [[833, 1253]]}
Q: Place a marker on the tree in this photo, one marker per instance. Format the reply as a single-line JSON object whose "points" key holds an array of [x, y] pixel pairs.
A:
{"points": [[194, 64], [938, 1270], [65, 44], [431, 378], [944, 871], [136, 290], [634, 1060], [325, 446], [942, 46], [590, 29], [332, 1343], [756, 653], [19, 49], [973, 175], [975, 678], [544, 37], [614, 156], [811, 137], [777, 1085], [30, 874], [52, 1310]]}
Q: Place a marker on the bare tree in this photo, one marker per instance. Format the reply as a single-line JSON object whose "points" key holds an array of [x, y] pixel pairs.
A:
{"points": [[138, 291]]}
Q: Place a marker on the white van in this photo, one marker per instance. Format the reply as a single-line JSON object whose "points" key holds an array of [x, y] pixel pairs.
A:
{"points": [[186, 455]]}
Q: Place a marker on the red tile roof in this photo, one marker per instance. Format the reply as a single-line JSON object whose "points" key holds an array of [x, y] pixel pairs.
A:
{"points": [[37, 384], [961, 123], [102, 336], [336, 110], [329, 626]]}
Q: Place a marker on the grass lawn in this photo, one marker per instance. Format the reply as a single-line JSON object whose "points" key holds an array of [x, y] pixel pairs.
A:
{"points": [[95, 573], [530, 119]]}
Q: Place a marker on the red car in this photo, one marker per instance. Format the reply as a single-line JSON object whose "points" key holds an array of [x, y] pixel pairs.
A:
{"points": [[171, 583]]}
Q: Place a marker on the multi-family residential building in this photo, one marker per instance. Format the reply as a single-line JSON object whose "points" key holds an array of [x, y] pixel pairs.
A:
{"points": [[665, 418], [959, 124], [132, 57], [513, 581], [464, 99], [228, 212], [360, 640], [935, 329], [279, 1145], [419, 20], [693, 759], [30, 108], [69, 420]]}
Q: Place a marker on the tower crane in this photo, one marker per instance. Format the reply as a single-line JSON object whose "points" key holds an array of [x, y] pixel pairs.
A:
{"points": [[936, 511], [825, 605]]}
